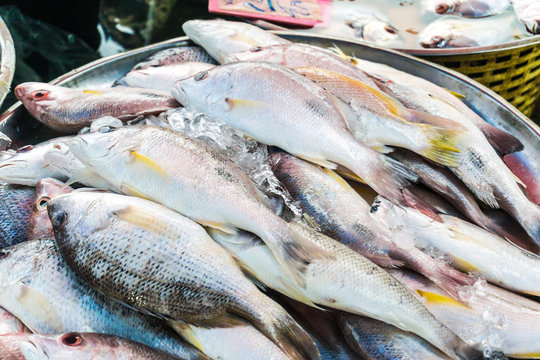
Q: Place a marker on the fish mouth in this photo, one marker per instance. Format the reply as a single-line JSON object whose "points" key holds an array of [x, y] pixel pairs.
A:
{"points": [[32, 351], [434, 42]]}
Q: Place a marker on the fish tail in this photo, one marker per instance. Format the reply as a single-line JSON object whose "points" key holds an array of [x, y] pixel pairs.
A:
{"points": [[281, 329], [502, 142], [442, 145], [294, 250]]}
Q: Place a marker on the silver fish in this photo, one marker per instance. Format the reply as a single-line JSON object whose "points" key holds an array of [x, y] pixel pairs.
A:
{"points": [[374, 28], [222, 38], [377, 340], [467, 8], [164, 263], [528, 12], [15, 212], [38, 287], [69, 110], [177, 55]]}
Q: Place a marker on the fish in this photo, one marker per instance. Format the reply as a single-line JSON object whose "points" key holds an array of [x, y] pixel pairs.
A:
{"points": [[374, 28], [15, 213], [351, 283], [381, 121], [342, 214], [76, 345], [480, 168], [163, 78], [222, 38], [69, 110], [39, 225], [468, 247], [487, 317], [237, 341], [467, 8], [175, 55], [183, 276], [9, 324], [457, 32], [194, 179], [38, 287], [528, 12], [239, 93], [49, 159], [376, 340]]}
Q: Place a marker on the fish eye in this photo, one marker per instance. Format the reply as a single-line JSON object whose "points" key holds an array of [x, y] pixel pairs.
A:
{"points": [[3, 254], [39, 94], [375, 207], [105, 129], [255, 49], [442, 8], [25, 148], [59, 219], [201, 76], [72, 339], [391, 30], [42, 203]]}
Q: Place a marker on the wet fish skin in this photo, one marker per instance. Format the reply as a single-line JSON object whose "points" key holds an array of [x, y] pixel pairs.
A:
{"points": [[376, 340], [467, 8], [528, 12], [39, 225], [69, 110], [163, 78], [222, 38], [374, 28], [184, 274], [9, 324], [5, 141], [15, 213], [176, 55], [485, 310], [86, 346], [38, 287], [281, 98]]}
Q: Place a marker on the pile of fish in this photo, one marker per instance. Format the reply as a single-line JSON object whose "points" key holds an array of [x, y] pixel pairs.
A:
{"points": [[219, 211]]}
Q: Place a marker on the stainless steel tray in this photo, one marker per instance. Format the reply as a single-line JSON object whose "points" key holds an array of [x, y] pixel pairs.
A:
{"points": [[22, 129]]}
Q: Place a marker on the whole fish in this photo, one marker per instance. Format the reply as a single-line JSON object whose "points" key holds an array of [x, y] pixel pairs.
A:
{"points": [[82, 346], [9, 324], [15, 212], [383, 121], [163, 78], [457, 32], [38, 287], [222, 38], [262, 99], [528, 12], [49, 159], [342, 214], [374, 28], [469, 247], [349, 283], [237, 341], [480, 168], [487, 317], [69, 110], [467, 8], [39, 225], [198, 181], [176, 55], [166, 264], [376, 340]]}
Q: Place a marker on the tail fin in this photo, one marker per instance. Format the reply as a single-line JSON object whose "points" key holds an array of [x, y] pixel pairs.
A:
{"points": [[293, 250], [501, 141], [281, 328], [443, 145]]}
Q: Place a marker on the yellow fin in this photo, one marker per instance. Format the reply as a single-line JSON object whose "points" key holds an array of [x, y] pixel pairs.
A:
{"points": [[185, 331], [464, 265], [338, 179], [456, 94], [245, 39], [145, 220], [221, 227], [434, 298], [349, 175], [129, 190], [297, 295], [526, 356], [236, 103], [322, 162], [94, 92], [442, 145], [149, 163]]}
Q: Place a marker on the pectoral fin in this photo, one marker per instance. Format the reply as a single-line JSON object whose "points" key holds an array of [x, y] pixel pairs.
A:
{"points": [[438, 299]]}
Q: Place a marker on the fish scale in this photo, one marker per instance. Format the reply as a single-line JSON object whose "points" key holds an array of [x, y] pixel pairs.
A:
{"points": [[15, 209]]}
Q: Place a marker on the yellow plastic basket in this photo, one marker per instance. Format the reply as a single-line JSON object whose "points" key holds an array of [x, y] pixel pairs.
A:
{"points": [[512, 70]]}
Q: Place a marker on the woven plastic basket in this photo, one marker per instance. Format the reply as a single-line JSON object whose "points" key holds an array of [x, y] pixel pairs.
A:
{"points": [[512, 70]]}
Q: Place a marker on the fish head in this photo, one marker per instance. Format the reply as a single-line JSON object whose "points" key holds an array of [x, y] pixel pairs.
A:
{"points": [[222, 38], [39, 225], [76, 215], [62, 347], [382, 33], [442, 7], [24, 166], [437, 35], [37, 97]]}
